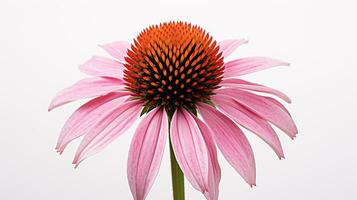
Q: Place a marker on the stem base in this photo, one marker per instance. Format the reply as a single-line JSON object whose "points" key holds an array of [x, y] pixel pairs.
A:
{"points": [[178, 181]]}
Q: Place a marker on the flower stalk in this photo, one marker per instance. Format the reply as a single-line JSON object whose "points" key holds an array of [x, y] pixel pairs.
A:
{"points": [[178, 184], [177, 177]]}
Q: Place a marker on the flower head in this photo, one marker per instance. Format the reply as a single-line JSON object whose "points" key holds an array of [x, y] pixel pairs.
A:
{"points": [[173, 65], [167, 74]]}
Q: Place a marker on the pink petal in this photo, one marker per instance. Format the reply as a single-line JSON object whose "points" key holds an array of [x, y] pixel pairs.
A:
{"points": [[83, 119], [109, 126], [263, 107], [249, 120], [228, 46], [117, 49], [277, 103], [86, 88], [208, 137], [249, 65], [231, 141], [100, 66], [193, 153], [242, 84], [146, 151]]}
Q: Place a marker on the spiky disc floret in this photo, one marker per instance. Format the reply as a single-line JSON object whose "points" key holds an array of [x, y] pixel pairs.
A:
{"points": [[173, 64]]}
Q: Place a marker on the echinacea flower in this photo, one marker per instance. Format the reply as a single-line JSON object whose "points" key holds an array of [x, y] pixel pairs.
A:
{"points": [[177, 78]]}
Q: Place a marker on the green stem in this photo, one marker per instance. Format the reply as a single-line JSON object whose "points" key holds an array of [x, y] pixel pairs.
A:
{"points": [[178, 181], [178, 184]]}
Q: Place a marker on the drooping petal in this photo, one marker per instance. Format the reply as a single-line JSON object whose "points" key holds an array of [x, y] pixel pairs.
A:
{"points": [[249, 65], [117, 49], [242, 84], [231, 141], [228, 46], [250, 121], [86, 88], [100, 66], [277, 103], [208, 137], [109, 126], [83, 119], [146, 151], [264, 107], [193, 154]]}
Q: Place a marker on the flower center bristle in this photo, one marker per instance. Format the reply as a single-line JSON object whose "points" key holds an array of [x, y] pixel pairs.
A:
{"points": [[173, 64]]}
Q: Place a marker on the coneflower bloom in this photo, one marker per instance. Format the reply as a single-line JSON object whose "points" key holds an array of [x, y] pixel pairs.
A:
{"points": [[177, 77]]}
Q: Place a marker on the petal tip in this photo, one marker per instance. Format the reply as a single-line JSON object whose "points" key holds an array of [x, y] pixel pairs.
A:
{"points": [[54, 104], [60, 150], [75, 163], [279, 62], [50, 107], [285, 63], [281, 157], [295, 133]]}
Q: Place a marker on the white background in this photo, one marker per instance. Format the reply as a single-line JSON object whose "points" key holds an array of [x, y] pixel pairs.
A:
{"points": [[43, 42]]}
